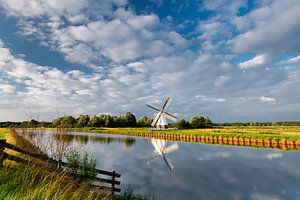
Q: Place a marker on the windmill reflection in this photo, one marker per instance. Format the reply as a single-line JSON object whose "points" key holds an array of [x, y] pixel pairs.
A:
{"points": [[161, 150]]}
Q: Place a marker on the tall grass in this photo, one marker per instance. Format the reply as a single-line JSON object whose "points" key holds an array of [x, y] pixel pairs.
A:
{"points": [[35, 183], [3, 132]]}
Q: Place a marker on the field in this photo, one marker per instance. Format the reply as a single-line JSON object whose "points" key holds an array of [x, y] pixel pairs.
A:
{"points": [[259, 132]]}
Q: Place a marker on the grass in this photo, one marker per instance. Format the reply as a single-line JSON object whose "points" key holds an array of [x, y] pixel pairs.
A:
{"points": [[35, 183], [3, 132], [268, 132]]}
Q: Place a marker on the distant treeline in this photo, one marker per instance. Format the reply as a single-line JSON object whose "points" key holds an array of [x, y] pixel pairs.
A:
{"points": [[104, 120], [129, 120]]}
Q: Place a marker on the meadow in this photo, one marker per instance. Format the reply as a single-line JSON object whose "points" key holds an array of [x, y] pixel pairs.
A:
{"points": [[259, 132]]}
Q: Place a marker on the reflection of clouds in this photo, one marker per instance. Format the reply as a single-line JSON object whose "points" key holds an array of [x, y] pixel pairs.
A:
{"points": [[210, 156], [220, 155], [203, 171], [269, 156], [260, 196]]}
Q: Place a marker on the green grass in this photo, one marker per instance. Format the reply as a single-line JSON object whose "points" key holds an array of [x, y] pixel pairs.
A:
{"points": [[34, 183], [3, 132], [270, 132]]}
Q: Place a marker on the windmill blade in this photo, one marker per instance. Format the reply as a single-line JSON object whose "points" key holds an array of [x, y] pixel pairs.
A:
{"points": [[158, 145], [153, 107], [168, 162], [166, 102], [153, 158], [170, 116], [155, 120], [171, 148]]}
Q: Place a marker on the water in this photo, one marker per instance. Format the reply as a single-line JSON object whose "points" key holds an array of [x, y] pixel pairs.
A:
{"points": [[201, 171]]}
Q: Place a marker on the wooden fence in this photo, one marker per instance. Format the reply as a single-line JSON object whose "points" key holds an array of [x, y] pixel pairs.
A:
{"points": [[109, 178]]}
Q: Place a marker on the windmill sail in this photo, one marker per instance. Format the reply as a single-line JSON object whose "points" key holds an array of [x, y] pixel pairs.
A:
{"points": [[160, 119], [161, 150]]}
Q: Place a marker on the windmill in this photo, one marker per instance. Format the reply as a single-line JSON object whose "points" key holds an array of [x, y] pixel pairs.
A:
{"points": [[160, 121], [161, 150]]}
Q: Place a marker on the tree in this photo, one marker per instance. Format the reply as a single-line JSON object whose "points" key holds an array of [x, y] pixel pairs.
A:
{"points": [[83, 120], [144, 121], [95, 121], [67, 122], [207, 122], [182, 124], [129, 119], [107, 120], [200, 122]]}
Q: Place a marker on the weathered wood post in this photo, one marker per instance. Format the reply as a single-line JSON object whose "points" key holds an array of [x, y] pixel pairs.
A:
{"points": [[113, 182], [2, 147]]}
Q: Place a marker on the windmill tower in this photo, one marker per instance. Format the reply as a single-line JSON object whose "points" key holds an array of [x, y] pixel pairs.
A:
{"points": [[161, 150], [160, 121]]}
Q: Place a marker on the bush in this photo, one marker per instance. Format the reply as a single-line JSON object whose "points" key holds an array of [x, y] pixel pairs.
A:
{"points": [[82, 166]]}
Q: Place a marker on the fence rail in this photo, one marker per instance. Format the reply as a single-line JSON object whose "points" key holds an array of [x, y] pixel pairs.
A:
{"points": [[110, 175]]}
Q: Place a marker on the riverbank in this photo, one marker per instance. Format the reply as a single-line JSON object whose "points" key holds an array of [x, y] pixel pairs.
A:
{"points": [[283, 137]]}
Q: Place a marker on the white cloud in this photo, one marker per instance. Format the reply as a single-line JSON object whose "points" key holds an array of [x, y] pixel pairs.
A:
{"points": [[135, 58], [294, 60], [5, 88], [221, 80], [209, 99], [271, 29], [257, 61], [35, 8], [267, 99]]}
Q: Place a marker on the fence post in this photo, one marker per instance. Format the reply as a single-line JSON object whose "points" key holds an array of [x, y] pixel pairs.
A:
{"points": [[113, 182], [2, 147]]}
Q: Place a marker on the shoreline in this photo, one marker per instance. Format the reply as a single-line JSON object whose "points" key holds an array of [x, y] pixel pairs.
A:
{"points": [[258, 137], [259, 140]]}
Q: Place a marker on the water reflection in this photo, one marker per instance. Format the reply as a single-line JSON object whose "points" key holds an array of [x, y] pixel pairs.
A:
{"points": [[85, 138], [202, 171], [161, 150]]}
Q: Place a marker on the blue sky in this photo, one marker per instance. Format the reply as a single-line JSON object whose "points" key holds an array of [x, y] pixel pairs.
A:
{"points": [[230, 60]]}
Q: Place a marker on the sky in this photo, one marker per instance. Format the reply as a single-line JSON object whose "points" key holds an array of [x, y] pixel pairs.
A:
{"points": [[229, 60]]}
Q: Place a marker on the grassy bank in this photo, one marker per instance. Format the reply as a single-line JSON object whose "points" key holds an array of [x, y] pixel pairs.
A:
{"points": [[3, 132], [267, 132]]}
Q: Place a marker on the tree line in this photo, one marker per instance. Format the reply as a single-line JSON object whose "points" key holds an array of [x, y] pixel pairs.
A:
{"points": [[105, 120]]}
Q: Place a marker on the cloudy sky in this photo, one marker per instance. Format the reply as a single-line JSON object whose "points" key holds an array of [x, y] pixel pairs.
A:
{"points": [[231, 60]]}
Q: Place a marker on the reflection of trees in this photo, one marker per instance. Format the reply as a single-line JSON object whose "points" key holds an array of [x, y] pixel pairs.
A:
{"points": [[83, 139], [63, 137], [129, 141]]}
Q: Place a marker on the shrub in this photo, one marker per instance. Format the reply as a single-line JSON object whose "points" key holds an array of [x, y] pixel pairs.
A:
{"points": [[82, 166]]}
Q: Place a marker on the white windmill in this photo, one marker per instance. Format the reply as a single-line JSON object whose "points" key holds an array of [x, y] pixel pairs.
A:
{"points": [[160, 121], [161, 150]]}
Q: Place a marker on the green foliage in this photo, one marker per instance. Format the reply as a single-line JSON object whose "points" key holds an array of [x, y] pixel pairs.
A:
{"points": [[64, 122], [182, 124], [3, 132], [200, 122], [144, 122], [82, 121], [129, 119], [129, 195], [95, 121], [82, 166]]}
